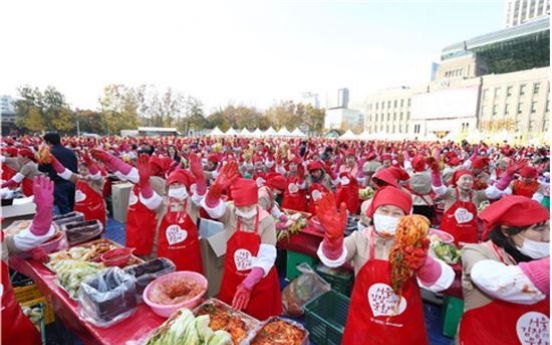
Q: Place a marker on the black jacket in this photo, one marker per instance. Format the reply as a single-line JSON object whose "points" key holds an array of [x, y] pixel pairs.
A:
{"points": [[66, 157]]}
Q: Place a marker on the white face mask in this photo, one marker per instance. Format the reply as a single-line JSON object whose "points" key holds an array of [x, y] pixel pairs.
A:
{"points": [[345, 181], [385, 225], [534, 249], [178, 193], [247, 215]]}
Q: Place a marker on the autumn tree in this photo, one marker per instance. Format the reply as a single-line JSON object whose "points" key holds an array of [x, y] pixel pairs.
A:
{"points": [[89, 121], [119, 108], [40, 111], [157, 110]]}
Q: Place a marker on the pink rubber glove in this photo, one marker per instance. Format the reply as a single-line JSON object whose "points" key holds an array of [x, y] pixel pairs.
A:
{"points": [[58, 167], [112, 162], [406, 156], [474, 153], [438, 155], [43, 191], [283, 218], [538, 272], [9, 184], [281, 226], [436, 180], [197, 169], [253, 278], [92, 166], [241, 298], [430, 271], [144, 169]]}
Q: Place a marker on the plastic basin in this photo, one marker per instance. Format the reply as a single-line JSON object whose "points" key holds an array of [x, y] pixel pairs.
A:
{"points": [[166, 310], [444, 236], [117, 257]]}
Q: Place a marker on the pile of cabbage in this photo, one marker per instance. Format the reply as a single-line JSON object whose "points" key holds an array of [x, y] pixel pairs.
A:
{"points": [[183, 328]]}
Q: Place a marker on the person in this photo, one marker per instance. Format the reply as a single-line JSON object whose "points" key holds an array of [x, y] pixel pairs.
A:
{"points": [[462, 201], [16, 327], [317, 183], [64, 191], [27, 171], [368, 251], [348, 186], [172, 152], [9, 163], [141, 219], [527, 185], [295, 196], [506, 279], [89, 188], [270, 192], [177, 234], [250, 281]]}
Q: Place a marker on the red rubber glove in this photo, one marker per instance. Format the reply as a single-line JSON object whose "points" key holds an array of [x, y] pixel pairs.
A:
{"points": [[474, 153], [433, 164], [281, 226], [43, 192], [58, 167], [333, 223], [92, 166], [9, 184], [197, 169], [241, 298], [144, 169], [227, 175], [111, 162], [416, 256]]}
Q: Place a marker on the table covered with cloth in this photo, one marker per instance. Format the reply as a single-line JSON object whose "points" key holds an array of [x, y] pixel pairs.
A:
{"points": [[134, 328]]}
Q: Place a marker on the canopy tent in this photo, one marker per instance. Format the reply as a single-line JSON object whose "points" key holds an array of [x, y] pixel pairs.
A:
{"points": [[430, 137], [365, 135], [297, 133], [284, 132], [348, 135], [257, 132], [231, 131], [245, 132], [380, 136], [450, 136], [216, 132], [270, 132]]}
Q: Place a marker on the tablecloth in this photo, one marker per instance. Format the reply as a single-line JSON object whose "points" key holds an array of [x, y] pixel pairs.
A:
{"points": [[136, 327]]}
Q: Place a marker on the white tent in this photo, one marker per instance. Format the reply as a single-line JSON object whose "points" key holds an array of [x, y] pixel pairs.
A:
{"points": [[244, 132], [297, 133], [231, 131], [216, 132], [430, 137], [450, 136], [348, 135], [365, 135], [257, 133], [270, 132], [381, 136], [284, 132]]}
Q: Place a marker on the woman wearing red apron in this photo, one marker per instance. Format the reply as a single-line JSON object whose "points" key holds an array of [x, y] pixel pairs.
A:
{"points": [[318, 183], [347, 192], [178, 236], [250, 281], [460, 220], [295, 196], [506, 280], [16, 327], [372, 318], [141, 218], [27, 171]]}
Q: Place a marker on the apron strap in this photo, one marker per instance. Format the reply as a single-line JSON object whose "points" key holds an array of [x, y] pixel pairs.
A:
{"points": [[178, 213], [255, 225], [499, 253]]}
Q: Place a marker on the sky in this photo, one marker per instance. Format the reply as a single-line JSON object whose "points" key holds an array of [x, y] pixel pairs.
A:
{"points": [[253, 53]]}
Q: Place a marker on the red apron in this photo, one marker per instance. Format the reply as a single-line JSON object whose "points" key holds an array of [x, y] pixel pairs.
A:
{"points": [[27, 186], [16, 327], [370, 319], [141, 224], [501, 322], [266, 300], [7, 172], [178, 239], [460, 220], [525, 189], [294, 201], [349, 195], [319, 187], [89, 202]]}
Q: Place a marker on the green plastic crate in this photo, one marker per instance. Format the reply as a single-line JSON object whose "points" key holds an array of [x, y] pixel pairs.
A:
{"points": [[341, 280], [325, 318], [453, 309], [293, 260]]}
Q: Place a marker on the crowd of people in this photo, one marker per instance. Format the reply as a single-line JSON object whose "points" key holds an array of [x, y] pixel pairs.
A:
{"points": [[493, 199]]}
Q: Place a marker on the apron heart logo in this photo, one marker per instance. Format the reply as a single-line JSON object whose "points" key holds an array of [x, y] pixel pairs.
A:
{"points": [[383, 300], [132, 198], [79, 196], [316, 195], [293, 188], [243, 259], [175, 234], [462, 215], [533, 328], [345, 181]]}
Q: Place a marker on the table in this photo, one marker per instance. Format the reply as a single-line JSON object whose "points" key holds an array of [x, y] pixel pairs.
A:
{"points": [[22, 208], [134, 328]]}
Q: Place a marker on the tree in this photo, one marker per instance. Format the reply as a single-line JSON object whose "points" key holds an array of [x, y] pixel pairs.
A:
{"points": [[39, 111], [192, 115], [159, 111], [89, 121], [119, 106]]}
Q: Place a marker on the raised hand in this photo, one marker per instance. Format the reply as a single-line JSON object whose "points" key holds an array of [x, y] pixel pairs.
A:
{"points": [[333, 222], [515, 166], [227, 175], [195, 165], [144, 169]]}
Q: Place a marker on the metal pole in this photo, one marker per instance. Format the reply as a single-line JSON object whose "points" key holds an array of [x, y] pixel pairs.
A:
{"points": [[78, 129]]}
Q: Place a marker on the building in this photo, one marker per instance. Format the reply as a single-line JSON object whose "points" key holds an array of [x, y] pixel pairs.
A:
{"points": [[343, 119], [495, 82], [520, 11], [7, 114], [310, 98], [343, 98]]}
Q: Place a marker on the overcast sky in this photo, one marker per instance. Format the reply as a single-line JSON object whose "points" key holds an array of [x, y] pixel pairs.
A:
{"points": [[248, 52]]}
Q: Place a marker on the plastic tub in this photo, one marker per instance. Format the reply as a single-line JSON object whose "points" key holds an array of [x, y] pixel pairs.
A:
{"points": [[165, 310], [444, 236], [117, 257]]}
